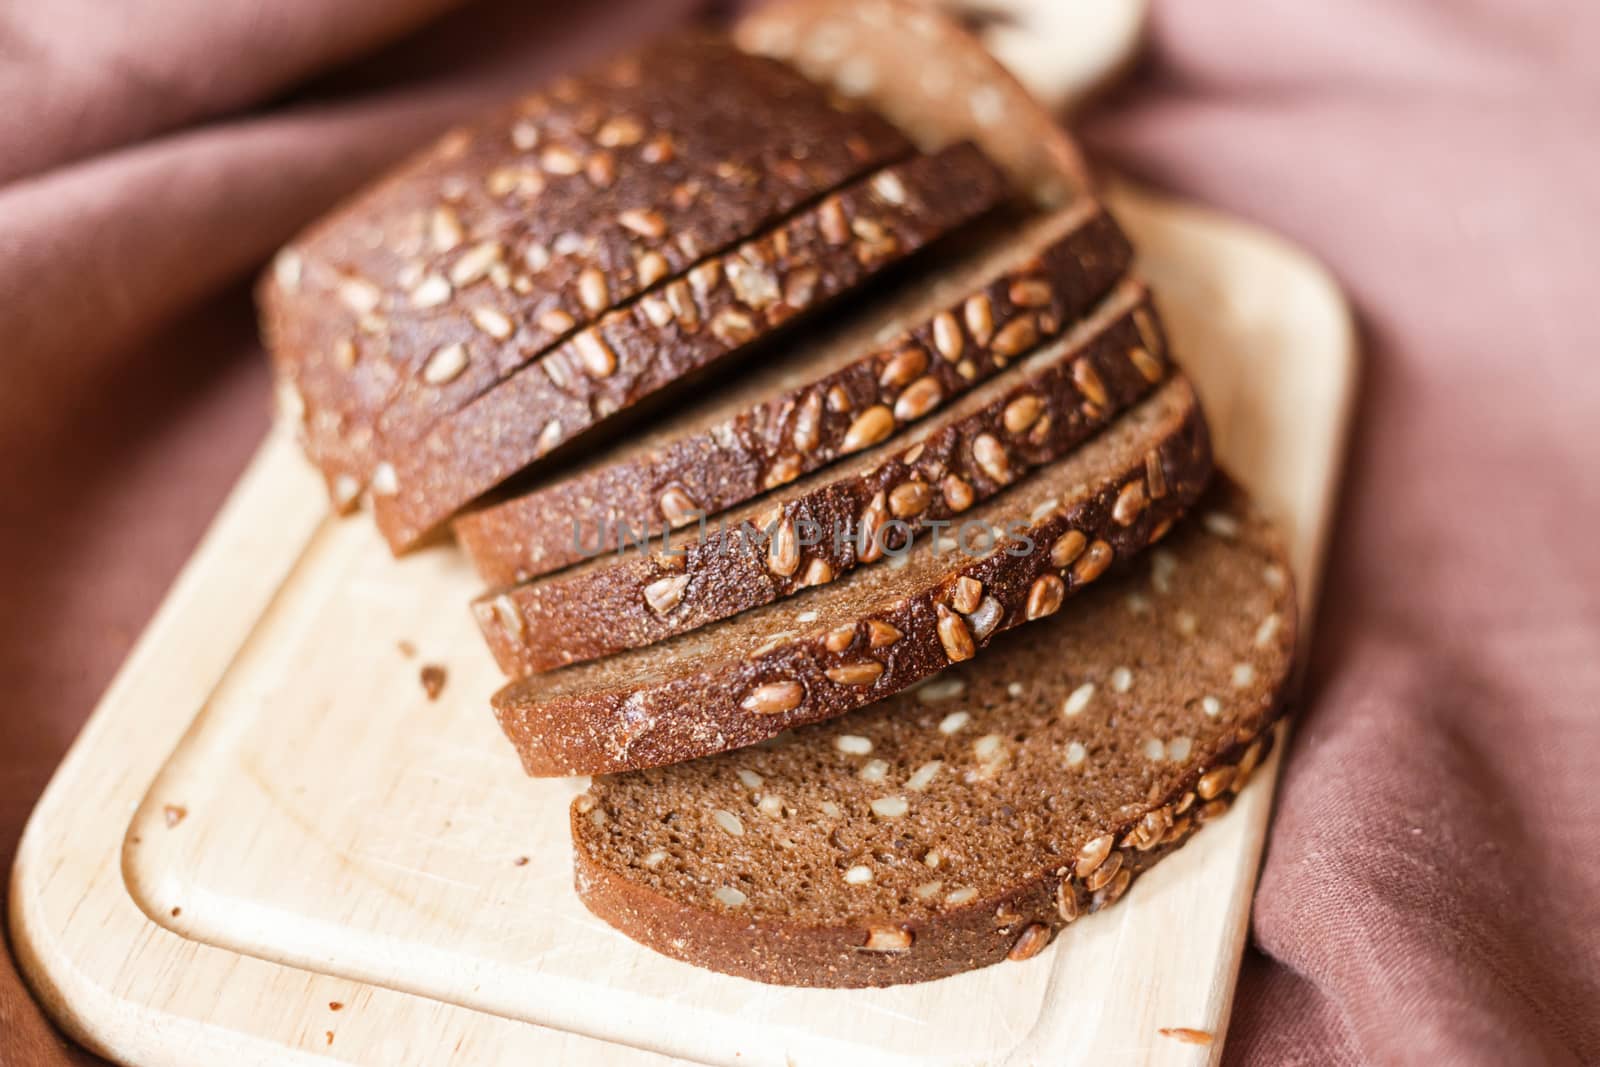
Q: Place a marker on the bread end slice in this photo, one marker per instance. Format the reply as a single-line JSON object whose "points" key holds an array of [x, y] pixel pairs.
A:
{"points": [[965, 822]]}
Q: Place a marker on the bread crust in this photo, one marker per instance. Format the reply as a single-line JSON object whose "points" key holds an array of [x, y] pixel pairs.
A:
{"points": [[1040, 410], [616, 715], [726, 460]]}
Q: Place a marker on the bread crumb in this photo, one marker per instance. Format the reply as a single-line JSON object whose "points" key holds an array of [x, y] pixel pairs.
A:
{"points": [[174, 813], [1186, 1035], [407, 649], [334, 1005], [520, 861], [433, 679]]}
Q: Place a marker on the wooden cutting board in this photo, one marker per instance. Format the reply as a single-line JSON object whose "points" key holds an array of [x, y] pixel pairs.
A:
{"points": [[269, 845], [267, 816]]}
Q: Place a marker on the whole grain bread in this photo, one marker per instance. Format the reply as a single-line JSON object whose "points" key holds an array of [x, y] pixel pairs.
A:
{"points": [[722, 308], [507, 235], [831, 649], [964, 822], [919, 68], [1040, 410], [841, 388]]}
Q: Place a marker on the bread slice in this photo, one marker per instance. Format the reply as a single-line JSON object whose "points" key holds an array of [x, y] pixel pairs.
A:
{"points": [[544, 216], [919, 68], [966, 821], [842, 388], [878, 629], [633, 352], [824, 526]]}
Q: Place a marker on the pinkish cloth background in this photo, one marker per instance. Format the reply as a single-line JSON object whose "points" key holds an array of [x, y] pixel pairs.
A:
{"points": [[1432, 887]]}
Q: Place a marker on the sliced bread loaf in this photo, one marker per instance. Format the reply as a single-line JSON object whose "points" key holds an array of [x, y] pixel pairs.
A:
{"points": [[820, 528], [507, 235], [632, 353], [964, 822], [878, 629], [842, 388]]}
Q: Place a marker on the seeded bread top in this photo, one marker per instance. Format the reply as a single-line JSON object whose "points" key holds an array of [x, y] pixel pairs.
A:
{"points": [[545, 215], [875, 631], [660, 345], [1036, 412], [954, 802], [846, 385], [923, 565]]}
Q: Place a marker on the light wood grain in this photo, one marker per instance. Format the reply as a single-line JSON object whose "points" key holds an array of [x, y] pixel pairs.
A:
{"points": [[340, 824], [131, 990]]}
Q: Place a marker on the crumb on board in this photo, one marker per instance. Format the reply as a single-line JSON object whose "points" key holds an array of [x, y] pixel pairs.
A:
{"points": [[520, 861], [1186, 1035], [433, 679], [335, 1005], [174, 814], [407, 649]]}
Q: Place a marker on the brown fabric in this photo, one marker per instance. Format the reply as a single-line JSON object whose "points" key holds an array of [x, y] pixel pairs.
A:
{"points": [[135, 391], [1432, 890], [1432, 886]]}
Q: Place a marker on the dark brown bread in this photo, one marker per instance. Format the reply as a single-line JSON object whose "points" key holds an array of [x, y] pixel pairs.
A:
{"points": [[919, 68], [720, 309], [1031, 415], [964, 822], [529, 224], [832, 649], [841, 388]]}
